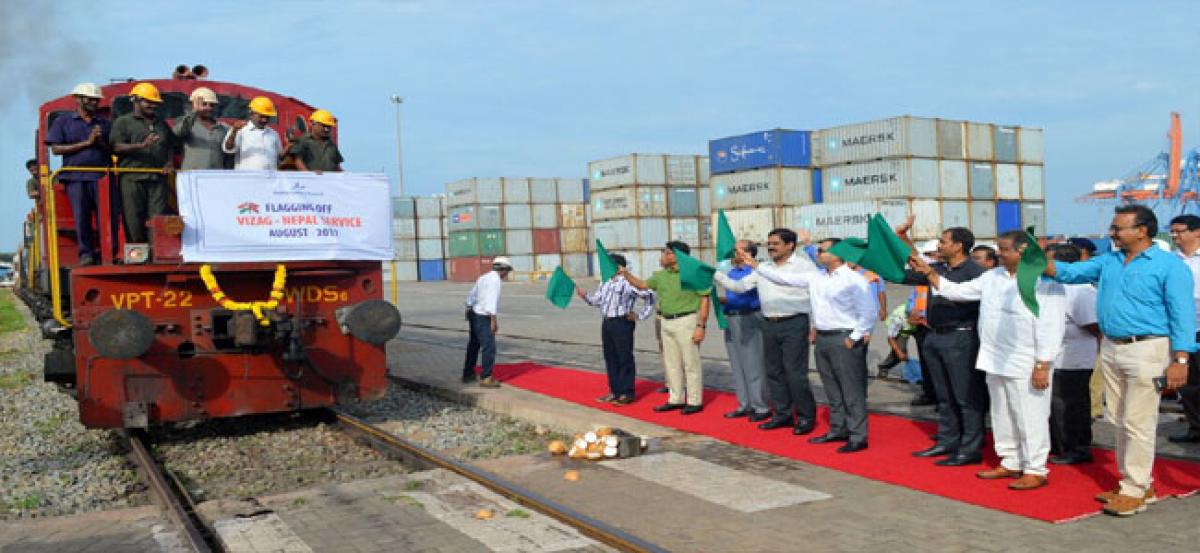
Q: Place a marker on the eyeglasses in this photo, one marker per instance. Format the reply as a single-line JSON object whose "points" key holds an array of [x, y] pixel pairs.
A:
{"points": [[1115, 228], [1181, 231]]}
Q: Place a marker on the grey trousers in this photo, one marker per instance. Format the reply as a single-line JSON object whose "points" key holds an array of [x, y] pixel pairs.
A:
{"points": [[844, 376], [743, 342]]}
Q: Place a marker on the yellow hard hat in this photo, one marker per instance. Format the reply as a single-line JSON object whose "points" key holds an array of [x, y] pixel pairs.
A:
{"points": [[262, 106], [204, 94], [323, 117], [146, 91], [88, 90]]}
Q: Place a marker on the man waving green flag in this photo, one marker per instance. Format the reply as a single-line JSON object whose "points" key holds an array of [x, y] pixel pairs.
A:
{"points": [[1029, 270], [886, 254], [608, 268]]}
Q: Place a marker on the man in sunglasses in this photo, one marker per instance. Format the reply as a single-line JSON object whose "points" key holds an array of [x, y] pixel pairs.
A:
{"points": [[202, 135]]}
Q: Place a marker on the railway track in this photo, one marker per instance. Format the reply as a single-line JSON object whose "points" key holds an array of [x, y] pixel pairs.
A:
{"points": [[180, 508]]}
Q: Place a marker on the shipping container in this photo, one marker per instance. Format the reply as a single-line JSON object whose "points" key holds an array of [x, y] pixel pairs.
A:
{"points": [[430, 248], [979, 141], [547, 262], [403, 208], [894, 137], [1008, 216], [475, 217], [431, 270], [516, 190], [465, 243], [645, 169], [694, 232], [943, 214], [475, 191], [572, 191], [844, 220], [543, 191], [983, 219], [983, 185], [1031, 146], [1008, 181], [574, 240], [545, 216], [684, 170], [1031, 182], [950, 143], [404, 228], [757, 150], [400, 271], [889, 178], [761, 187], [952, 179], [405, 249], [622, 203], [468, 269], [576, 265], [632, 233], [518, 216], [751, 224], [430, 207], [546, 241], [1004, 141], [518, 242], [429, 228], [521, 263], [683, 202], [1033, 214], [572, 215]]}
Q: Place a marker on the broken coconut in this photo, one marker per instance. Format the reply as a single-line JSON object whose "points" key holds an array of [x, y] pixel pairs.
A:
{"points": [[484, 514], [556, 447], [571, 475]]}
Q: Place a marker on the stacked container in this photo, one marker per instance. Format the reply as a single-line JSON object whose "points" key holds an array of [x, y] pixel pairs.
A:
{"points": [[431, 238], [474, 224], [404, 241], [759, 176], [640, 201]]}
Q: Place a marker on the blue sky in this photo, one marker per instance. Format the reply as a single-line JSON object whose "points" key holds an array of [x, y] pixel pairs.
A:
{"points": [[541, 88]]}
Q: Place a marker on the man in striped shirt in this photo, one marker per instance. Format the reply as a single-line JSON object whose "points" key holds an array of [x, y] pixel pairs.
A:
{"points": [[616, 299]]}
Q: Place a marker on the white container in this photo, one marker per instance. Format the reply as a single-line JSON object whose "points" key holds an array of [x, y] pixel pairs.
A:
{"points": [[683, 202], [445, 226], [404, 228], [983, 219], [1031, 146], [761, 187], [518, 216], [935, 216], [545, 216], [570, 191], [475, 191], [890, 178], [693, 232], [403, 208], [574, 240], [522, 263], [1034, 214], [1004, 143], [649, 261], [405, 249], [642, 263], [546, 262], [621, 203], [844, 220], [652, 233], [429, 228], [518, 242], [543, 191], [979, 141], [406, 271], [751, 224], [950, 143], [952, 179], [575, 265], [516, 190], [470, 217], [572, 215], [705, 195], [430, 248], [1031, 182], [895, 137], [983, 180], [429, 206], [684, 170], [627, 170], [619, 233], [1008, 181]]}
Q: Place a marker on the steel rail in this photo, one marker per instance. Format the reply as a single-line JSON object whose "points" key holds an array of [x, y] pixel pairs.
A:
{"points": [[415, 454], [167, 492]]}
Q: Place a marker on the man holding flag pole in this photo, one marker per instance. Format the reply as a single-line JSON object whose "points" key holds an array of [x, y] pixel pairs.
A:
{"points": [[616, 298]]}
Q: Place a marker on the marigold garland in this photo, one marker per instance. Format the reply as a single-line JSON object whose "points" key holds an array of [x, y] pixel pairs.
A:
{"points": [[255, 307]]}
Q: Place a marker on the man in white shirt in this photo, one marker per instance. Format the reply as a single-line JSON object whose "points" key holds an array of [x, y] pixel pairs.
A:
{"points": [[1071, 406], [1016, 351], [255, 147], [483, 305], [844, 313], [785, 327], [1185, 232]]}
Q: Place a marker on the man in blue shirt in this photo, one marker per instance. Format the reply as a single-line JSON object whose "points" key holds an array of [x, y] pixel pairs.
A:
{"points": [[1147, 315], [80, 138], [743, 342]]}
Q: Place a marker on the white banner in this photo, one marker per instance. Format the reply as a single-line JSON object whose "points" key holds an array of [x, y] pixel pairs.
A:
{"points": [[284, 216]]}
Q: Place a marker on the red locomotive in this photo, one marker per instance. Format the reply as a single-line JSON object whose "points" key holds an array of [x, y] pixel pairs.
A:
{"points": [[154, 340]]}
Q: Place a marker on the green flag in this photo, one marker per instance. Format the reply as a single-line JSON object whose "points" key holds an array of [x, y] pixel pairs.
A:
{"points": [[697, 276], [1029, 271], [560, 289], [886, 253], [851, 250], [726, 242], [608, 267]]}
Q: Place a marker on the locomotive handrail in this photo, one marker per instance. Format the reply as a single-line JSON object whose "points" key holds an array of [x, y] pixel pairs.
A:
{"points": [[52, 228]]}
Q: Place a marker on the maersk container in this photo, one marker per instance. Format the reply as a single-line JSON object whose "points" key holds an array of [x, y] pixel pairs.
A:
{"points": [[1031, 182], [1031, 146], [983, 219], [403, 208], [1033, 214], [889, 178], [904, 136], [950, 144], [404, 228], [645, 169], [572, 215], [518, 242], [1008, 216], [573, 240], [761, 187], [405, 249], [430, 248], [475, 191], [545, 216], [576, 265], [518, 216], [429, 228], [983, 185], [571, 191], [543, 191], [1008, 181], [757, 150], [979, 141], [952, 179], [682, 202], [1004, 141], [516, 190], [751, 224], [430, 207], [621, 203], [844, 220], [431, 270]]}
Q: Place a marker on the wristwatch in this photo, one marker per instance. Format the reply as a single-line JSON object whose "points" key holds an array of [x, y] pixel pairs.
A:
{"points": [[1181, 359]]}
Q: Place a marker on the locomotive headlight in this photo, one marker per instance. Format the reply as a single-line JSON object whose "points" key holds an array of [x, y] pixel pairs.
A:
{"points": [[121, 334], [372, 321]]}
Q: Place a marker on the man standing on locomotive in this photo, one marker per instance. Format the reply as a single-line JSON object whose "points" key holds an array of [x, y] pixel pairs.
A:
{"points": [[141, 140], [255, 147], [316, 151], [483, 306], [80, 139], [201, 134]]}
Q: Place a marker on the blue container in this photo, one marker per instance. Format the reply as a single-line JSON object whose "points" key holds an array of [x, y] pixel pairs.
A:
{"points": [[1008, 215], [774, 148], [816, 193], [430, 270]]}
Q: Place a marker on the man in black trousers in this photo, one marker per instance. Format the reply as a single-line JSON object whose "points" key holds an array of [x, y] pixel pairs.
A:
{"points": [[615, 298]]}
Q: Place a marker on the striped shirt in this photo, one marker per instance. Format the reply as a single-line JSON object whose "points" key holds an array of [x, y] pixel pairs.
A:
{"points": [[616, 298]]}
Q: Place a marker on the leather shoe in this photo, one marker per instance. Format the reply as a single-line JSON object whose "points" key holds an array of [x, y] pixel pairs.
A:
{"points": [[1071, 458], [959, 460], [852, 447], [1189, 436], [469, 378], [998, 473], [826, 438], [935, 451], [775, 423], [692, 409], [735, 414], [664, 390], [668, 407], [759, 417], [803, 427], [1028, 482]]}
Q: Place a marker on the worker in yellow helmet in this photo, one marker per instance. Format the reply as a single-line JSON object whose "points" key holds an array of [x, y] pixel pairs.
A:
{"points": [[316, 150], [255, 147], [201, 134], [142, 140]]}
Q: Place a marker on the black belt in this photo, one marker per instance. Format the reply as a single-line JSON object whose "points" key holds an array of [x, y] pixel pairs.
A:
{"points": [[784, 318], [949, 329], [739, 312], [1131, 339], [833, 332], [624, 317], [675, 316]]}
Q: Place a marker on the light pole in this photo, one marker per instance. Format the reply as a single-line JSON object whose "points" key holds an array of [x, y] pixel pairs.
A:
{"points": [[396, 99]]}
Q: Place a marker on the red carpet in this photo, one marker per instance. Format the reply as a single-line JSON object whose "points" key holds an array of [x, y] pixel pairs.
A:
{"points": [[1068, 496]]}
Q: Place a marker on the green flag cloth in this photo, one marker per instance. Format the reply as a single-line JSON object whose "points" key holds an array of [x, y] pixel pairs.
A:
{"points": [[1029, 271], [560, 289], [851, 250], [697, 276], [715, 306], [608, 267], [886, 254], [726, 242]]}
